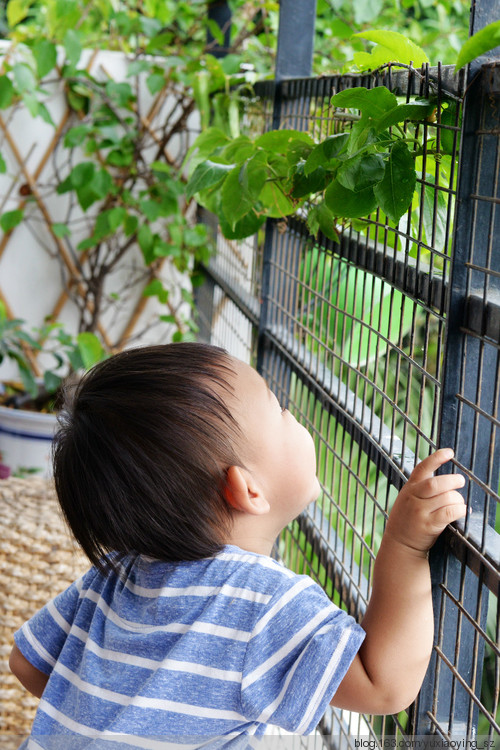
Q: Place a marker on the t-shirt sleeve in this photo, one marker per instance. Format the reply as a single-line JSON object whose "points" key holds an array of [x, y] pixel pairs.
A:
{"points": [[297, 656], [42, 638]]}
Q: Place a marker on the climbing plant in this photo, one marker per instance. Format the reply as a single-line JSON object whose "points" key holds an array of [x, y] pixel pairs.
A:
{"points": [[344, 176]]}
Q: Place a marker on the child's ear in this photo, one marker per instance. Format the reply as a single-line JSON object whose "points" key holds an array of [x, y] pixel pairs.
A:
{"points": [[243, 494]]}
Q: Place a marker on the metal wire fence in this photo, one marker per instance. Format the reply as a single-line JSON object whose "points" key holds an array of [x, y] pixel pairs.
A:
{"points": [[386, 345]]}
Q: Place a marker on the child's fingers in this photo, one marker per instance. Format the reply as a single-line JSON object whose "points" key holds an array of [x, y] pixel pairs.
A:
{"points": [[450, 511], [429, 465], [434, 486]]}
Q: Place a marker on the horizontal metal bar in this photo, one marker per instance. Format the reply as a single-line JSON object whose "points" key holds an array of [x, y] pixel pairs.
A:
{"points": [[401, 81], [482, 314], [407, 275], [246, 302]]}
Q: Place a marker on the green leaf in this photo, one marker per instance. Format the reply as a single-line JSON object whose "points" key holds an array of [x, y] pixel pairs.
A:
{"points": [[88, 192], [3, 165], [366, 10], [449, 139], [254, 174], [72, 46], [102, 228], [121, 93], [136, 67], [298, 151], [156, 289], [236, 199], [61, 230], [361, 172], [76, 135], [120, 157], [479, 43], [279, 140], [17, 10], [150, 209], [417, 110], [321, 218], [246, 227], [373, 103], [10, 219], [145, 240], [116, 217], [215, 31], [24, 78], [346, 204], [206, 175], [434, 212], [51, 381], [395, 192], [306, 184], [130, 225], [395, 47], [87, 244], [201, 90], [239, 149], [80, 175], [150, 26], [155, 82], [31, 103], [45, 114], [45, 54], [161, 166], [28, 380], [277, 204], [326, 151], [6, 92], [208, 141], [75, 359], [379, 300], [86, 196], [90, 349]]}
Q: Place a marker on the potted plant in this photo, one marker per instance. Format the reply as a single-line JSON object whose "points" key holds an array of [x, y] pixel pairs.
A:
{"points": [[28, 406]]}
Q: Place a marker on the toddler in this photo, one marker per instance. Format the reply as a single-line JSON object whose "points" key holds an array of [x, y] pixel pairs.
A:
{"points": [[176, 469]]}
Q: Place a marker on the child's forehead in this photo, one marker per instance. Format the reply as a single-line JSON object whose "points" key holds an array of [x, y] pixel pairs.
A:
{"points": [[246, 378]]}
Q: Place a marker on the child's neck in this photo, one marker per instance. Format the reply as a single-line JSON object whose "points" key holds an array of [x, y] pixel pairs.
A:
{"points": [[252, 534]]}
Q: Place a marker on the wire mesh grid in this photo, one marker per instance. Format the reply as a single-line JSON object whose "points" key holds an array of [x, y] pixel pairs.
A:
{"points": [[352, 340]]}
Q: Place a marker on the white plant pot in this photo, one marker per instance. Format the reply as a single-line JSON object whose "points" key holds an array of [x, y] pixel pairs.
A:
{"points": [[25, 440]]}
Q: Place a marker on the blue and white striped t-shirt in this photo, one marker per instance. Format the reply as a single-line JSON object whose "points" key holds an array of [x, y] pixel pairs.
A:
{"points": [[185, 653]]}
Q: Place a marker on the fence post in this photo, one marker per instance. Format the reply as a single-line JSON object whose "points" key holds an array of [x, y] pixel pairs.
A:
{"points": [[293, 60], [444, 706], [220, 12]]}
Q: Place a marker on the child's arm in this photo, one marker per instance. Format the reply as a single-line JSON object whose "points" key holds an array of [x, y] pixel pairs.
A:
{"points": [[386, 675], [32, 679]]}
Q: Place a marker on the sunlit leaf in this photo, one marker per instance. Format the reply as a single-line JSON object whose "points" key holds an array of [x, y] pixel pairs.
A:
{"points": [[391, 47], [479, 43]]}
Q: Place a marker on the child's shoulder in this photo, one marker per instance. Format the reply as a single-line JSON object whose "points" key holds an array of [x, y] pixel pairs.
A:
{"points": [[261, 572], [231, 572]]}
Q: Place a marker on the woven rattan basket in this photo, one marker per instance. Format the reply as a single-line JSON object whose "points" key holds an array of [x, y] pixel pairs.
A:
{"points": [[38, 559]]}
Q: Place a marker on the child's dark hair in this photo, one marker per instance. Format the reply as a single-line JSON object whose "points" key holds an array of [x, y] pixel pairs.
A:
{"points": [[141, 454]]}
